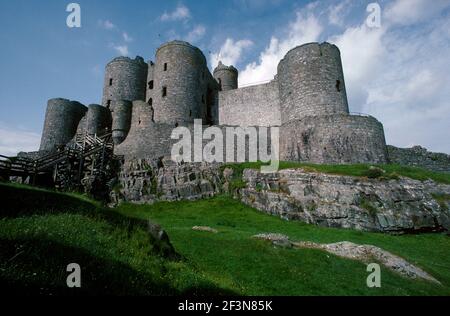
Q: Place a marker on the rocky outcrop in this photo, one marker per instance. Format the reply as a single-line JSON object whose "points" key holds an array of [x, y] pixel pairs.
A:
{"points": [[349, 250], [150, 180], [205, 229], [418, 156], [398, 206]]}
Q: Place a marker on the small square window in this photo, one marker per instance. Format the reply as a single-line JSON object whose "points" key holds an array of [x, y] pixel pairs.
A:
{"points": [[164, 91]]}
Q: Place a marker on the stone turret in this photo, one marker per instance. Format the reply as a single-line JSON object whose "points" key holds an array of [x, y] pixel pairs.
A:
{"points": [[125, 80], [226, 76], [311, 82], [179, 84], [61, 122], [121, 120]]}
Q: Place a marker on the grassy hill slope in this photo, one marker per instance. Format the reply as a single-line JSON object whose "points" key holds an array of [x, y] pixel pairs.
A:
{"points": [[41, 232]]}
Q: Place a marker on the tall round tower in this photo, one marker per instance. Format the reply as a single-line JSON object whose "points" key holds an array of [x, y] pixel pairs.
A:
{"points": [[311, 82], [61, 122], [124, 80], [121, 120], [150, 83], [98, 120], [226, 76], [179, 84]]}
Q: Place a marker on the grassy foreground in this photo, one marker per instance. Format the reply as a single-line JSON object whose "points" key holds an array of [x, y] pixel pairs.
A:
{"points": [[41, 232]]}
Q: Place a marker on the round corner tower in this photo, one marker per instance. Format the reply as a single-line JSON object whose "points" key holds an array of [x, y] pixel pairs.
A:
{"points": [[226, 76], [61, 122], [124, 80], [98, 120], [121, 120], [178, 88], [311, 82]]}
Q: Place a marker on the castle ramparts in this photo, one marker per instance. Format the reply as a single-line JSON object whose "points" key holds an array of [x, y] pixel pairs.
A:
{"points": [[144, 101]]}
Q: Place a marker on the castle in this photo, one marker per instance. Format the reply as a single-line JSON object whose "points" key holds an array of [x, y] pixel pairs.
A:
{"points": [[143, 102]]}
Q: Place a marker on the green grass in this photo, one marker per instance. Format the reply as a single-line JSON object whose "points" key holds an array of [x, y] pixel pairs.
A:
{"points": [[392, 171], [442, 199], [233, 259], [40, 236], [41, 232]]}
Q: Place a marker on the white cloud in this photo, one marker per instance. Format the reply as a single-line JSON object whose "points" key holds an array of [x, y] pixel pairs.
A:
{"points": [[180, 13], [337, 13], [127, 38], [398, 74], [407, 12], [122, 49], [306, 28], [362, 54], [230, 52], [14, 140], [106, 24], [196, 34]]}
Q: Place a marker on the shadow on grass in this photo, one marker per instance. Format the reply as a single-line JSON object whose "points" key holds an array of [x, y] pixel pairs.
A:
{"points": [[38, 267]]}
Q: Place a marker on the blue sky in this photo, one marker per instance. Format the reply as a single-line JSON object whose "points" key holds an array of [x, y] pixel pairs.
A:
{"points": [[400, 72]]}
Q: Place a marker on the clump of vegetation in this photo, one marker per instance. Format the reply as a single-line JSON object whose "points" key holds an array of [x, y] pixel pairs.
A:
{"points": [[368, 206], [237, 184], [117, 188], [374, 172], [259, 187], [443, 200], [392, 171]]}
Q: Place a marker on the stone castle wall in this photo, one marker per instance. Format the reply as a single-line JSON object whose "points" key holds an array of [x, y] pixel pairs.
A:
{"points": [[250, 106], [418, 156], [311, 82], [149, 139], [125, 79], [307, 99], [182, 84], [61, 122], [338, 139]]}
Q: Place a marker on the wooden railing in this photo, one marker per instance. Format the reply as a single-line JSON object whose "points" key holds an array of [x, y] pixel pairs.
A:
{"points": [[83, 146]]}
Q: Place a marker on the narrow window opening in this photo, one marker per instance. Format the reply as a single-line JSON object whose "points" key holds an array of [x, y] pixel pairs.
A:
{"points": [[176, 124], [150, 84], [150, 101], [203, 99], [190, 113], [164, 91], [108, 104], [110, 82], [338, 85], [220, 83], [165, 66]]}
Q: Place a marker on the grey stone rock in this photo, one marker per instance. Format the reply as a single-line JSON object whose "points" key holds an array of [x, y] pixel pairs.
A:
{"points": [[160, 240], [368, 254], [395, 206], [150, 180], [205, 229]]}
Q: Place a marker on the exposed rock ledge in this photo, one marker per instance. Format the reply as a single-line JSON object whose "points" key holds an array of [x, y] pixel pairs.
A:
{"points": [[402, 205], [364, 253], [396, 206]]}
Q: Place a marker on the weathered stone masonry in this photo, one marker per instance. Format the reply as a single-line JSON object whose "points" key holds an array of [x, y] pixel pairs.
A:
{"points": [[143, 102]]}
